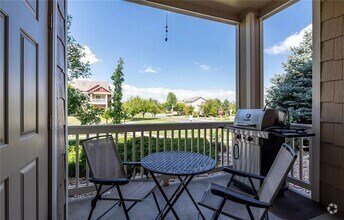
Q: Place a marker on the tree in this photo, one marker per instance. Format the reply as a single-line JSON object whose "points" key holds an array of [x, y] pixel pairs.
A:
{"points": [[88, 115], [171, 100], [188, 109], [154, 107], [117, 78], [107, 115], [293, 89], [179, 107], [131, 106], [76, 68], [211, 107], [232, 108], [76, 99], [143, 106], [226, 107]]}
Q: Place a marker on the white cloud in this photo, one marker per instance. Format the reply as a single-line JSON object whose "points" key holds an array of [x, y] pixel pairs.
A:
{"points": [[204, 67], [291, 41], [160, 93], [150, 69], [89, 57]]}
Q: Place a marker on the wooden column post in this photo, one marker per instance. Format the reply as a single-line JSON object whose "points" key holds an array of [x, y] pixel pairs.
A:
{"points": [[249, 76]]}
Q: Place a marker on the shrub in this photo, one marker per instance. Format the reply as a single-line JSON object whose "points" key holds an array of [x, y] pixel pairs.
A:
{"points": [[82, 162]]}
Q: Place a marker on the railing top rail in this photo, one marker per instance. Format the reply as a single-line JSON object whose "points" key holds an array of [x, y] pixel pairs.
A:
{"points": [[307, 126], [87, 129]]}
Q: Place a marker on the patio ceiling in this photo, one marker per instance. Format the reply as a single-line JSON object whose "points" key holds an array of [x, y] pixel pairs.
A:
{"points": [[228, 11]]}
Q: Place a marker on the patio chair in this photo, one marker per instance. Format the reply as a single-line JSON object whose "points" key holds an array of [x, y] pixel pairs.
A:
{"points": [[109, 176], [237, 204]]}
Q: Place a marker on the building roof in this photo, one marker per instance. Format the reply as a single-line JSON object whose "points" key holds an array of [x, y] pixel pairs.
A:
{"points": [[89, 86], [193, 99], [227, 11]]}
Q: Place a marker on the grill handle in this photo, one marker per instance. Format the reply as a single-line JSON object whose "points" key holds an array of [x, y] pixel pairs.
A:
{"points": [[245, 125], [236, 152]]}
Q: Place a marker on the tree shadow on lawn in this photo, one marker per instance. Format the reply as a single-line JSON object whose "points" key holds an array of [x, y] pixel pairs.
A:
{"points": [[143, 119]]}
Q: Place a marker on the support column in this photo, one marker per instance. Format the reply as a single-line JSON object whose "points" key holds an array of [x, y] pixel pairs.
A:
{"points": [[249, 76]]}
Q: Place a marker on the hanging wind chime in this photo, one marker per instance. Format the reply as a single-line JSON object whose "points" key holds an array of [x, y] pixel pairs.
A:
{"points": [[166, 27]]}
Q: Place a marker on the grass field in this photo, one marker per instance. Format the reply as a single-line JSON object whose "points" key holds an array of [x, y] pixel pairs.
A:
{"points": [[149, 119]]}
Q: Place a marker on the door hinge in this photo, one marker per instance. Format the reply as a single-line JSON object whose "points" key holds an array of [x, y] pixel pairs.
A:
{"points": [[50, 21], [50, 122]]}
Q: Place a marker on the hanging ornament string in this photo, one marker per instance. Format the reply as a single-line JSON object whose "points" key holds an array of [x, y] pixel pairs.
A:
{"points": [[166, 27]]}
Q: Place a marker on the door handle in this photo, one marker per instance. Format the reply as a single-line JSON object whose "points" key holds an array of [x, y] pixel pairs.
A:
{"points": [[236, 152]]}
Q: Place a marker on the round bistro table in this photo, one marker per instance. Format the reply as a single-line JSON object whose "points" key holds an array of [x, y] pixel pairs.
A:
{"points": [[184, 165]]}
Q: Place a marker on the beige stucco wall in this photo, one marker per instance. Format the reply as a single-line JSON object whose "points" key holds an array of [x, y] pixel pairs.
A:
{"points": [[332, 99]]}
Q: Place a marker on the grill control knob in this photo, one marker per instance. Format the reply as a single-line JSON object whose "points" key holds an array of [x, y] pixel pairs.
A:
{"points": [[249, 138], [238, 136]]}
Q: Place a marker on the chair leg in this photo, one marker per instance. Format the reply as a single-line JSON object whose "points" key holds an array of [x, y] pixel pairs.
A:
{"points": [[93, 206], [94, 202], [123, 203], [156, 202], [217, 212], [267, 215]]}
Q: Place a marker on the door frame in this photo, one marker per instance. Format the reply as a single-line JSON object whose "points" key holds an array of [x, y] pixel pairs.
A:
{"points": [[53, 120]]}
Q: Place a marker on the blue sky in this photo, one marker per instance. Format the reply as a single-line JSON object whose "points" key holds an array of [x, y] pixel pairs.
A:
{"points": [[198, 58]]}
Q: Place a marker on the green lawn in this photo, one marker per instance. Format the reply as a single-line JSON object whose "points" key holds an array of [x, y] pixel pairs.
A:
{"points": [[149, 119]]}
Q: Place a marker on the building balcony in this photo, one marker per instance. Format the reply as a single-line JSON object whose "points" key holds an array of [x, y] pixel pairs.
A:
{"points": [[289, 206], [99, 101], [136, 141]]}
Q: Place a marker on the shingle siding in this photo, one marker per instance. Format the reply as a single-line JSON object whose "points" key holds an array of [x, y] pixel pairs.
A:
{"points": [[332, 101]]}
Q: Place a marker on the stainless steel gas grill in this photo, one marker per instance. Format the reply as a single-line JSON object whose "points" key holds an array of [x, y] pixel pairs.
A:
{"points": [[258, 135]]}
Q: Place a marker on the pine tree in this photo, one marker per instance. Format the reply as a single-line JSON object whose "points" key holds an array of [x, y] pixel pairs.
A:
{"points": [[293, 90], [117, 78]]}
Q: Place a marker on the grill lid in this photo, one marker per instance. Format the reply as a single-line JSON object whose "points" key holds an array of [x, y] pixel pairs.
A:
{"points": [[258, 119]]}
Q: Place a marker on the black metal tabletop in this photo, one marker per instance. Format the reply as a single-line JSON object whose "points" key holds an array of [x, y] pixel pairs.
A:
{"points": [[178, 163]]}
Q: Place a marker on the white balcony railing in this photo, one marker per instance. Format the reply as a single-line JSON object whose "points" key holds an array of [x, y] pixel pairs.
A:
{"points": [[301, 171], [136, 141], [98, 101]]}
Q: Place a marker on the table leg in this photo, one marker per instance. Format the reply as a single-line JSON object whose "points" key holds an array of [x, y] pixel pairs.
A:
{"points": [[192, 199], [170, 206], [184, 184]]}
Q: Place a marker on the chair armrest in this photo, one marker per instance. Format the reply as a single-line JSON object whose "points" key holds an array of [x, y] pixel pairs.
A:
{"points": [[242, 173], [132, 163], [238, 198], [114, 181]]}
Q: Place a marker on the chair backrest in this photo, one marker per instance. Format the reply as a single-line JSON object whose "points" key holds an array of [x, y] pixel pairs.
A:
{"points": [[102, 157], [277, 174]]}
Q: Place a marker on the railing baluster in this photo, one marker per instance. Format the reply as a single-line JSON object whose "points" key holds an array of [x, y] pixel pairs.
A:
{"points": [[301, 159], [125, 145], [192, 139], [211, 143], [150, 142], [77, 162], [178, 140], [165, 134], [133, 150], [227, 147], [205, 141], [157, 142], [198, 139], [116, 138], [186, 140], [293, 146], [172, 140], [221, 146], [87, 168], [142, 151], [216, 145]]}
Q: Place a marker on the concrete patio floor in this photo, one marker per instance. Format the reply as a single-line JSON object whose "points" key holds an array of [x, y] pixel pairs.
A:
{"points": [[79, 208]]}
